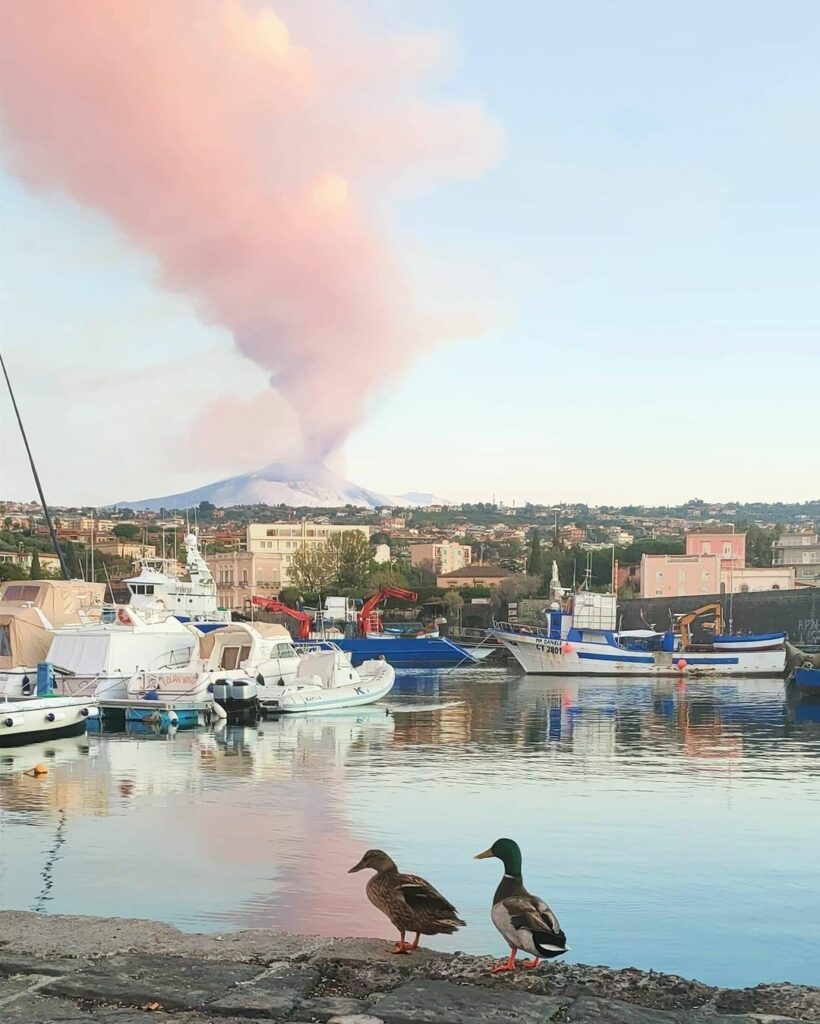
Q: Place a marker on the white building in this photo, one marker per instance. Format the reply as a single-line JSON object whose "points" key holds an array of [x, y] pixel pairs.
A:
{"points": [[285, 539]]}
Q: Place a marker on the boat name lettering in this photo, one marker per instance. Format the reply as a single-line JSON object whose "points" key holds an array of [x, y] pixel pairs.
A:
{"points": [[549, 646]]}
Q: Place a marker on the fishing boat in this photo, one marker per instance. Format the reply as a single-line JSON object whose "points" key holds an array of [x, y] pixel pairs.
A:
{"points": [[195, 601], [34, 719], [580, 638], [326, 680]]}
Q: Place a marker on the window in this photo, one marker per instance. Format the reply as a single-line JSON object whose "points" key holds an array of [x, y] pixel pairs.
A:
{"points": [[744, 588], [775, 586], [149, 588], [5, 642], [245, 576], [727, 550], [707, 548]]}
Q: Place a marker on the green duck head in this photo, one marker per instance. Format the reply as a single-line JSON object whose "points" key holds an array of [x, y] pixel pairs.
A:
{"points": [[378, 860], [508, 852]]}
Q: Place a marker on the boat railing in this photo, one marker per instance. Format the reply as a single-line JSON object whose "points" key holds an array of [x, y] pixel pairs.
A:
{"points": [[538, 632]]}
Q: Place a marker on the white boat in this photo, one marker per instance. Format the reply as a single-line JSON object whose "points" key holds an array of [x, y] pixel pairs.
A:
{"points": [[34, 719], [195, 601], [102, 658], [581, 639], [326, 679], [30, 612], [261, 651]]}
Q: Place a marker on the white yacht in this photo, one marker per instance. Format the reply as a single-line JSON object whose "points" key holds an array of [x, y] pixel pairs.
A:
{"points": [[195, 601]]}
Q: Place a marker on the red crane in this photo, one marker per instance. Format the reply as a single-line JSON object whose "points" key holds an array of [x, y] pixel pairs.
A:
{"points": [[302, 618], [365, 625]]}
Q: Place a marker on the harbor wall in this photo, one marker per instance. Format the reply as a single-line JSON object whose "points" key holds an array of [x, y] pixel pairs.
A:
{"points": [[796, 612]]}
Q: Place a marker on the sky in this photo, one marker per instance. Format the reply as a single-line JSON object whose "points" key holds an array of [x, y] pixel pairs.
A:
{"points": [[567, 254]]}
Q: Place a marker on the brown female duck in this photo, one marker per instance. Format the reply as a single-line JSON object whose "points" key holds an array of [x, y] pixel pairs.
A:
{"points": [[411, 903]]}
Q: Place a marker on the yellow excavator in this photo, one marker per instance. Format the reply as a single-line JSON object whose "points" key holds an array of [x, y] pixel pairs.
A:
{"points": [[686, 621]]}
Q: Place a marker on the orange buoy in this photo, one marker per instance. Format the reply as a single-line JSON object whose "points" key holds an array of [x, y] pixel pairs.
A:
{"points": [[682, 664], [39, 771]]}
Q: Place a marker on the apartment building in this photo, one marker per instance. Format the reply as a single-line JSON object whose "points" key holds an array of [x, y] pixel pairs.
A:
{"points": [[285, 539], [240, 574], [441, 556], [802, 552]]}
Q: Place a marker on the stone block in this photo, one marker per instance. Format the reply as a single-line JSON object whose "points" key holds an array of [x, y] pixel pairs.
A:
{"points": [[273, 995], [442, 1002], [176, 983], [591, 1010]]}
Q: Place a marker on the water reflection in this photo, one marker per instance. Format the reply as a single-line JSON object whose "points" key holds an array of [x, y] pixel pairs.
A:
{"points": [[644, 808]]}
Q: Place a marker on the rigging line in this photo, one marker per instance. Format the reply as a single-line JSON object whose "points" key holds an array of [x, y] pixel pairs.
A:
{"points": [[57, 548]]}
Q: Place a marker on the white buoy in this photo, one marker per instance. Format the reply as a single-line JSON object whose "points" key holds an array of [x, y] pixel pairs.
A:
{"points": [[219, 711]]}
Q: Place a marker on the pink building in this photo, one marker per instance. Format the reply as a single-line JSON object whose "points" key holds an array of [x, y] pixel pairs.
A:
{"points": [[729, 547], [680, 575]]}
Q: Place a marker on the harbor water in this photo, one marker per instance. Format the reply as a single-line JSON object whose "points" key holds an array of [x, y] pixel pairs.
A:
{"points": [[671, 825]]}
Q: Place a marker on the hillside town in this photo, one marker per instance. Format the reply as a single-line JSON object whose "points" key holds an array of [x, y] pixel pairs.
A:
{"points": [[689, 550]]}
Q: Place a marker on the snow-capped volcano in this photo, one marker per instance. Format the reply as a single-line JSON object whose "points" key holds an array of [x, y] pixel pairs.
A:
{"points": [[278, 484]]}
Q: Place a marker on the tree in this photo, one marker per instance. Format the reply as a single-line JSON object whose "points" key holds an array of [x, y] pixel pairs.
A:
{"points": [[349, 559], [127, 531], [535, 561], [309, 569], [386, 576], [12, 571], [206, 510], [453, 603], [35, 571]]}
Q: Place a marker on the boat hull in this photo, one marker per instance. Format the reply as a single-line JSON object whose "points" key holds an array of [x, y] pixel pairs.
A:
{"points": [[808, 680], [539, 656], [405, 652], [373, 683], [39, 719]]}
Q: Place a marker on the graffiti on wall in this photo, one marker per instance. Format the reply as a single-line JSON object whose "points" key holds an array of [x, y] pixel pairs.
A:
{"points": [[808, 631]]}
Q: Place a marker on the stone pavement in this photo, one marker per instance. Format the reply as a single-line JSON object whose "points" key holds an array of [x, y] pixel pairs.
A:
{"points": [[56, 969]]}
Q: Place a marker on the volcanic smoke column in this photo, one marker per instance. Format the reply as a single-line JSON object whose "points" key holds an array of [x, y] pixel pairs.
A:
{"points": [[254, 169]]}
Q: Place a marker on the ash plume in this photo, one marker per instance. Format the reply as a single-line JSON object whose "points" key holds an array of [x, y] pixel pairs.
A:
{"points": [[256, 167]]}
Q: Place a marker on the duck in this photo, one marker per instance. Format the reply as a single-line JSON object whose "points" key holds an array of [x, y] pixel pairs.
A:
{"points": [[524, 920], [409, 901]]}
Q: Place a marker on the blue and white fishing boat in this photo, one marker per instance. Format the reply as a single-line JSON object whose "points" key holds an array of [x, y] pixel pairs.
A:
{"points": [[581, 639]]}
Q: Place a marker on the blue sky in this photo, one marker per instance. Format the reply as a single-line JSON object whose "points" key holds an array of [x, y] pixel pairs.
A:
{"points": [[645, 254]]}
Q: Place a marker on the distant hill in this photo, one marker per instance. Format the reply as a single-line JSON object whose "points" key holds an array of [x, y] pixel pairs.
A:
{"points": [[294, 485]]}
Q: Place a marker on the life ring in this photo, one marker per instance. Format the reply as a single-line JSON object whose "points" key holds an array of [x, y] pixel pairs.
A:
{"points": [[123, 617]]}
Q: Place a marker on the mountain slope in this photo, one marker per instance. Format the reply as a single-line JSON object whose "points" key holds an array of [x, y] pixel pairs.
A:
{"points": [[279, 483]]}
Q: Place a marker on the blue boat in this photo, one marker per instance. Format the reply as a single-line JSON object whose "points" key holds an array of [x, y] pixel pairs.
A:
{"points": [[182, 718], [807, 679], [403, 652]]}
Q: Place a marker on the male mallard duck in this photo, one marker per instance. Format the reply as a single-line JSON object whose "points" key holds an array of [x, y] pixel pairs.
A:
{"points": [[525, 921], [411, 903]]}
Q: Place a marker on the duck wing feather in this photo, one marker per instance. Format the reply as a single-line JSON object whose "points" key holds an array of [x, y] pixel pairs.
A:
{"points": [[424, 898], [532, 914]]}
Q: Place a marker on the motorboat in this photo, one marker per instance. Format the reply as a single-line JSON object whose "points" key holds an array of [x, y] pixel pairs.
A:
{"points": [[194, 601], [30, 612], [34, 719], [103, 658], [807, 679], [326, 679]]}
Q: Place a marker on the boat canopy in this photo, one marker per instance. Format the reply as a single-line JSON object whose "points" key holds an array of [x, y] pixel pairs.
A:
{"points": [[24, 637], [63, 602]]}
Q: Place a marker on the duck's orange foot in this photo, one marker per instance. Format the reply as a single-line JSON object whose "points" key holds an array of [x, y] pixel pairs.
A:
{"points": [[531, 963], [401, 947], [503, 968]]}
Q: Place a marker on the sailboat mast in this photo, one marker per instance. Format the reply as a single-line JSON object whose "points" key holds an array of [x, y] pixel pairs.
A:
{"points": [[49, 524]]}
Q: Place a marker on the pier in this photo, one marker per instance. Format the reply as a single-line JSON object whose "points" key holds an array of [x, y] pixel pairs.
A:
{"points": [[122, 971]]}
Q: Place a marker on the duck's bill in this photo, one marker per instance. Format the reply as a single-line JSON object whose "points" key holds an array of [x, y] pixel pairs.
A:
{"points": [[482, 856], [357, 867]]}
